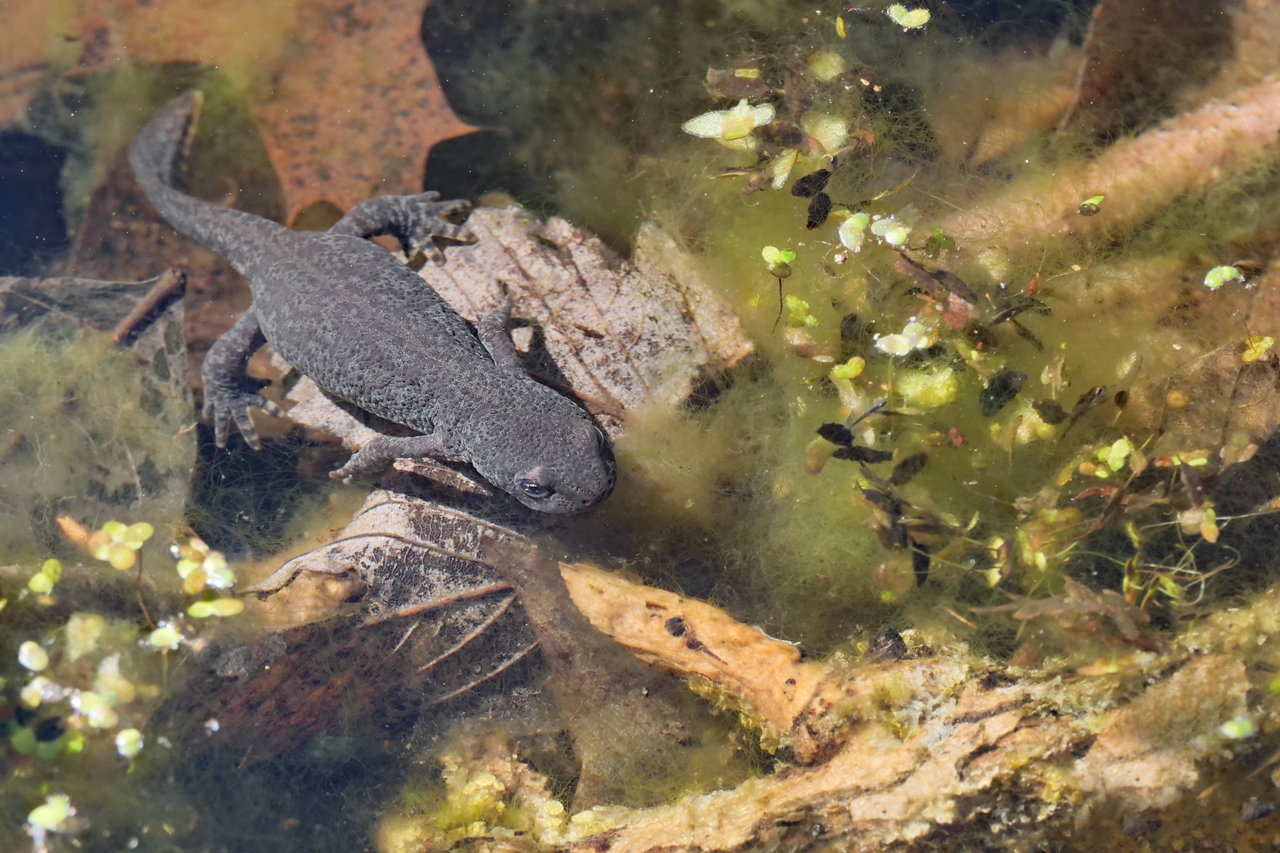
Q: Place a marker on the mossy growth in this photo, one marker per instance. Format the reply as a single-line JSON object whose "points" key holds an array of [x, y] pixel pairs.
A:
{"points": [[90, 435]]}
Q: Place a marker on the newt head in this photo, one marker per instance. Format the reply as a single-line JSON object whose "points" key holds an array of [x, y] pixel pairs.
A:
{"points": [[554, 461]]}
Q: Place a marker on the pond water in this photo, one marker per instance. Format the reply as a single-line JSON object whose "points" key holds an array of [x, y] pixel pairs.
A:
{"points": [[925, 334]]}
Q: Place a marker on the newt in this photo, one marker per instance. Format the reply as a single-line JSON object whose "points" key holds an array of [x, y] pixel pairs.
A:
{"points": [[370, 332]]}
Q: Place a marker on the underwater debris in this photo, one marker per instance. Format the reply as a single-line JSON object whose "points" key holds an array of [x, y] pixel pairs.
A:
{"points": [[742, 81]]}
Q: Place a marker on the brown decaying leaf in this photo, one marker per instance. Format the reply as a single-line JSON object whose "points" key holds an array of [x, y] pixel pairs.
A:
{"points": [[349, 104], [357, 105], [23, 60]]}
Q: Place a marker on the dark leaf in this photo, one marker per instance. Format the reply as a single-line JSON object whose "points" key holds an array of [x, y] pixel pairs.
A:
{"points": [[920, 563], [811, 184], [1050, 411], [819, 210], [837, 434], [1000, 390], [905, 470], [862, 454]]}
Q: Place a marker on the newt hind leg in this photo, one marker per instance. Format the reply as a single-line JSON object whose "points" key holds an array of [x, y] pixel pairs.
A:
{"points": [[415, 220], [229, 393]]}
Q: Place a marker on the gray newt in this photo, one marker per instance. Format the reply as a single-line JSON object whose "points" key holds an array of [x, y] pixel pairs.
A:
{"points": [[369, 331]]}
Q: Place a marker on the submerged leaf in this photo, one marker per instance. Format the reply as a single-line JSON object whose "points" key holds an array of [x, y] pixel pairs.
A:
{"points": [[908, 19], [1219, 276]]}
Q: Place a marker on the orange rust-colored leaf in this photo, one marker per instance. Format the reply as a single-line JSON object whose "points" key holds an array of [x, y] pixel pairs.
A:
{"points": [[348, 102], [357, 106]]}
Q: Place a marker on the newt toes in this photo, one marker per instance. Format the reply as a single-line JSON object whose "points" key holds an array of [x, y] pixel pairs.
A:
{"points": [[369, 331]]}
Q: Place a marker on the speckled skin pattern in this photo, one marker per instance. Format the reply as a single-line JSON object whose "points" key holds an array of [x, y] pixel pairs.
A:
{"points": [[369, 331]]}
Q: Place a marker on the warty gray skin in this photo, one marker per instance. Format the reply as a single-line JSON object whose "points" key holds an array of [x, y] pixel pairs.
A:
{"points": [[369, 331]]}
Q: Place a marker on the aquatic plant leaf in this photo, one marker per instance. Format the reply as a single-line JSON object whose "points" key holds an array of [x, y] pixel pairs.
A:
{"points": [[1219, 276], [908, 19]]}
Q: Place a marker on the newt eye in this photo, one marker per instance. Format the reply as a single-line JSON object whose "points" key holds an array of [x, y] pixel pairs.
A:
{"points": [[535, 490]]}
